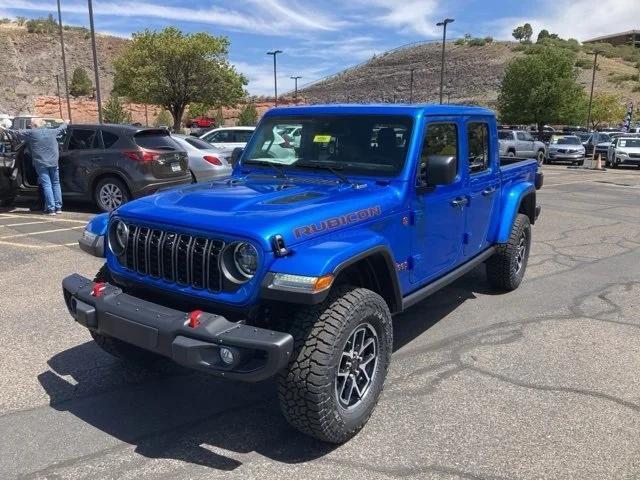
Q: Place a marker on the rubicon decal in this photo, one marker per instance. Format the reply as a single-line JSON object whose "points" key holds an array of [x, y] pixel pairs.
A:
{"points": [[335, 222]]}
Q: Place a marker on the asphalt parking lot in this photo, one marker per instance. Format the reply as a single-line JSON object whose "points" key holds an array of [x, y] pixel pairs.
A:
{"points": [[539, 383]]}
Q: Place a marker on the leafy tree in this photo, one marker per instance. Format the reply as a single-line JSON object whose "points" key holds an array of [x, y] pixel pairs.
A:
{"points": [[606, 108], [198, 110], [173, 69], [544, 34], [248, 115], [163, 118], [80, 83], [523, 33], [542, 88], [114, 112]]}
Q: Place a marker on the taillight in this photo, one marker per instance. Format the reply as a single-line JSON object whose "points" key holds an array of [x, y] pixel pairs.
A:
{"points": [[142, 155], [213, 160]]}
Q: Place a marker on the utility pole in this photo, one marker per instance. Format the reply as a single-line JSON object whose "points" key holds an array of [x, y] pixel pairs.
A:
{"points": [[64, 61], [95, 60], [595, 54], [275, 75], [59, 98], [295, 79], [443, 24], [411, 86]]}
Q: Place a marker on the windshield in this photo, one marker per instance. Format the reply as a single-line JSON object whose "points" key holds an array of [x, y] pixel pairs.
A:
{"points": [[602, 137], [565, 141], [629, 142], [366, 144]]}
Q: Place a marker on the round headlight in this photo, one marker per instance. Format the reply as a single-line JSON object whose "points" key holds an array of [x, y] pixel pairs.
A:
{"points": [[245, 258], [118, 236]]}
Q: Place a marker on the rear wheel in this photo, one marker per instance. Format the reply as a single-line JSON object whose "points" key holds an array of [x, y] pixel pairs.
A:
{"points": [[505, 269], [340, 360], [511, 153], [110, 193], [117, 348]]}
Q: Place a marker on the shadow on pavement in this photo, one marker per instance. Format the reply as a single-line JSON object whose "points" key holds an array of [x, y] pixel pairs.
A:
{"points": [[175, 413]]}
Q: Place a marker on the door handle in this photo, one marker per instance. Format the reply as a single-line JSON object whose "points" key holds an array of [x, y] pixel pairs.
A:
{"points": [[488, 191], [459, 202]]}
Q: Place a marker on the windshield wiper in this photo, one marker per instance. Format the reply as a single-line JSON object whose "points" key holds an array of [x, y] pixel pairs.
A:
{"points": [[279, 168], [324, 166]]}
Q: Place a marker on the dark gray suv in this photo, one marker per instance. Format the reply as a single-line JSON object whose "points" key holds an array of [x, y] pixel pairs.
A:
{"points": [[107, 164]]}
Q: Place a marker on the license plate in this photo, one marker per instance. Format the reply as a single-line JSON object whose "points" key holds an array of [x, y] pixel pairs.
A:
{"points": [[175, 167]]}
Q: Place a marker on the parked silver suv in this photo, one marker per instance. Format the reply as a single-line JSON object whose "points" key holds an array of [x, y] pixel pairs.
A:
{"points": [[519, 143], [624, 151]]}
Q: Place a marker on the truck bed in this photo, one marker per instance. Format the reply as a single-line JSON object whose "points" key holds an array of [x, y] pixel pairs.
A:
{"points": [[514, 170]]}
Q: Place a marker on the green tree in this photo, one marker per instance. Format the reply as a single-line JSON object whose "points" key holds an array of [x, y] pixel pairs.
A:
{"points": [[544, 34], [80, 83], [523, 33], [114, 112], [173, 69], [607, 108], [542, 88], [198, 110], [248, 115], [163, 119]]}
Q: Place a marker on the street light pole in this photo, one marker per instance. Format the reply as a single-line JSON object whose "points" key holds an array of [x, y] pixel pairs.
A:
{"points": [[64, 61], [295, 79], [95, 61], [59, 98], [443, 24], [411, 86], [595, 54], [275, 76]]}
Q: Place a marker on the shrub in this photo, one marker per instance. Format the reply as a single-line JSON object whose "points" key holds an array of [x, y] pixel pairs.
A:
{"points": [[42, 25], [636, 88], [114, 111], [460, 41], [248, 115], [477, 42], [488, 39], [163, 119], [584, 63], [80, 83], [21, 21]]}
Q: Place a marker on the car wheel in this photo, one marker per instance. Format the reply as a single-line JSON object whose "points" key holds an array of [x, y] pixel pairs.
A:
{"points": [[110, 193], [511, 153], [341, 355], [615, 163], [505, 269], [117, 348], [540, 157]]}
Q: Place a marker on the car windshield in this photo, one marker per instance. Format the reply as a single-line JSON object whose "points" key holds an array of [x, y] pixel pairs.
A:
{"points": [[629, 142], [366, 144], [504, 135], [565, 141], [602, 137]]}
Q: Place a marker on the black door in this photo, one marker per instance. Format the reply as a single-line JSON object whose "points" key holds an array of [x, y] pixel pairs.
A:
{"points": [[76, 160]]}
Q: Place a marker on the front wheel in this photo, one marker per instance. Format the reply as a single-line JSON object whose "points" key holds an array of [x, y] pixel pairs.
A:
{"points": [[505, 269], [341, 355]]}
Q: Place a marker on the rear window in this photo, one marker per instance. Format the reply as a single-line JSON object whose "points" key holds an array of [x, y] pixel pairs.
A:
{"points": [[503, 135], [108, 139], [155, 140], [243, 135], [199, 144]]}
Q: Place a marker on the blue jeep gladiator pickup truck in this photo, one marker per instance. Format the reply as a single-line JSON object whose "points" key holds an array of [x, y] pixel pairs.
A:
{"points": [[295, 265]]}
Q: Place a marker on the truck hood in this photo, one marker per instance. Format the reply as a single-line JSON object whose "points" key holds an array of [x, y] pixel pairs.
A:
{"points": [[261, 206]]}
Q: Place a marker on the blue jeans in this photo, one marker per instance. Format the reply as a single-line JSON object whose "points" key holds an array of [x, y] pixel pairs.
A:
{"points": [[49, 178]]}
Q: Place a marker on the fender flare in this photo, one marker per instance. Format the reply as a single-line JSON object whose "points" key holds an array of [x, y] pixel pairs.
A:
{"points": [[511, 201], [93, 239]]}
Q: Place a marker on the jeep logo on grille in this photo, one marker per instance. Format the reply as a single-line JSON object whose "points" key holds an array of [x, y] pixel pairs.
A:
{"points": [[335, 222]]}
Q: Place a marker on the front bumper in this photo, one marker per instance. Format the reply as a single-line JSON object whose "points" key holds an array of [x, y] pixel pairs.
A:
{"points": [[565, 156], [258, 353], [628, 161]]}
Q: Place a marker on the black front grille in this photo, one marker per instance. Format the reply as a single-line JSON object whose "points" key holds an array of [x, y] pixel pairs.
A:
{"points": [[634, 155], [175, 257]]}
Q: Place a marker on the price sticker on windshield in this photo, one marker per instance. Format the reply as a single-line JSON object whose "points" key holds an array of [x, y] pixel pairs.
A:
{"points": [[322, 139]]}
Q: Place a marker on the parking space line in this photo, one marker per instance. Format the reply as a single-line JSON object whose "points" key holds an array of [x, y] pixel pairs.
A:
{"points": [[40, 233], [26, 223], [38, 247], [57, 219]]}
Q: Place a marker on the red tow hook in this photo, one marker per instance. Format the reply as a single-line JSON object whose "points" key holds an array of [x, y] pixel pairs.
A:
{"points": [[98, 289], [194, 318]]}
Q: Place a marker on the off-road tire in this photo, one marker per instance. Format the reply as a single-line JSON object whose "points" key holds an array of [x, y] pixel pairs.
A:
{"points": [[502, 268], [117, 348], [307, 387]]}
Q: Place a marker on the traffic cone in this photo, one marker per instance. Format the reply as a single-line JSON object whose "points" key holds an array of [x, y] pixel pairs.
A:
{"points": [[599, 162]]}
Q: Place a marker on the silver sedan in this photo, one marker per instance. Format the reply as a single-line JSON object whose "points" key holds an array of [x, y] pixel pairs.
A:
{"points": [[206, 162]]}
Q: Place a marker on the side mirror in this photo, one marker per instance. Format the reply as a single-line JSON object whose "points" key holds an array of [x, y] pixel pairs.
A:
{"points": [[438, 170], [236, 154]]}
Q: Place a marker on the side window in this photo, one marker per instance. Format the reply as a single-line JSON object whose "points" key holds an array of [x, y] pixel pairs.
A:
{"points": [[520, 136], [242, 136], [108, 139], [82, 139], [222, 136], [441, 139], [478, 142], [528, 137]]}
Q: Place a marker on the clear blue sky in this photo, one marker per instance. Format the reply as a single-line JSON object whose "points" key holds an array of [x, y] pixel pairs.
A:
{"points": [[321, 37]]}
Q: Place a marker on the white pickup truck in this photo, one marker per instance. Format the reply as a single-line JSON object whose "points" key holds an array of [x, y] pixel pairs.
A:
{"points": [[518, 143]]}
